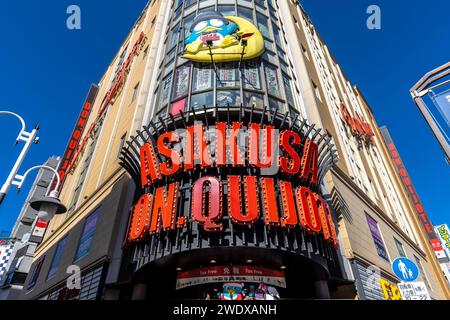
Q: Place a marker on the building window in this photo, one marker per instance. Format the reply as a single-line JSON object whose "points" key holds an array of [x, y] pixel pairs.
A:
{"points": [[422, 272], [87, 236], [135, 92], [228, 98], [273, 87], [181, 81], [227, 76], [316, 91], [305, 52], [400, 249], [245, 13], [263, 25], [35, 275], [377, 238], [226, 10], [251, 77], [253, 99], [145, 53], [202, 99], [57, 258], [123, 140], [202, 79]]}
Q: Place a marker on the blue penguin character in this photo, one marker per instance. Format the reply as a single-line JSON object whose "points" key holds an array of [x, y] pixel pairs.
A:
{"points": [[210, 29]]}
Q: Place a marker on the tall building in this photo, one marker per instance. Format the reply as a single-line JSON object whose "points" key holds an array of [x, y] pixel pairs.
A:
{"points": [[225, 154], [26, 235]]}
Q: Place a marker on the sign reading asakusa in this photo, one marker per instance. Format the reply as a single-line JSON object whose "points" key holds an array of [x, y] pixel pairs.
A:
{"points": [[284, 197]]}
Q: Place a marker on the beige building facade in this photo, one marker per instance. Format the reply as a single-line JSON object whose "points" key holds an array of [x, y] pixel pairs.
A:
{"points": [[374, 219]]}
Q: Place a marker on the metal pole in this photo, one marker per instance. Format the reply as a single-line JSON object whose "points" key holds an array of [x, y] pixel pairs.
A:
{"points": [[429, 119], [29, 140]]}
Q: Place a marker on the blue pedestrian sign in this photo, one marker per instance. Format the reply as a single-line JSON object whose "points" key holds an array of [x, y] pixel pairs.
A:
{"points": [[405, 269]]}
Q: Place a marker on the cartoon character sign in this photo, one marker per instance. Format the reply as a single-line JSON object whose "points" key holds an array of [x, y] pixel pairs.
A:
{"points": [[232, 291], [228, 38]]}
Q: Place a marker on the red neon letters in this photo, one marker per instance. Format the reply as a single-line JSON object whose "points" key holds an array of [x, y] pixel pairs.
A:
{"points": [[248, 197]]}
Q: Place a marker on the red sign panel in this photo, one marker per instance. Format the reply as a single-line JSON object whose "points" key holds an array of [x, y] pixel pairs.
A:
{"points": [[358, 126], [71, 150], [411, 191], [249, 197], [230, 273]]}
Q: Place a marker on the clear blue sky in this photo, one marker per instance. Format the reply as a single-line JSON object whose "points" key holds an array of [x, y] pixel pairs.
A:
{"points": [[47, 70]]}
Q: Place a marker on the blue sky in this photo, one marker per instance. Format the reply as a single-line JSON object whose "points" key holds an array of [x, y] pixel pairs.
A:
{"points": [[47, 71]]}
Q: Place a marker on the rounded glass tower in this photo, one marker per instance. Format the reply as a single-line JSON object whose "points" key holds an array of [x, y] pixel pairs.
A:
{"points": [[224, 79]]}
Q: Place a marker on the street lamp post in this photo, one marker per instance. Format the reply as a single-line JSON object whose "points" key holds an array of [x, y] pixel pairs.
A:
{"points": [[47, 206], [29, 138], [50, 204], [422, 88]]}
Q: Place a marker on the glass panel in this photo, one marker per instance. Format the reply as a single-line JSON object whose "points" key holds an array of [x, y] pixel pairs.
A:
{"points": [[377, 238], [231, 98], [269, 45], [174, 37], [57, 257], [288, 89], [178, 106], [202, 78], [251, 77], [187, 24], [87, 236], [251, 98], [181, 81], [201, 99], [273, 86], [277, 36], [189, 3], [227, 75], [263, 25], [276, 105], [245, 13], [261, 2], [167, 83], [227, 10], [36, 272], [171, 55], [401, 250]]}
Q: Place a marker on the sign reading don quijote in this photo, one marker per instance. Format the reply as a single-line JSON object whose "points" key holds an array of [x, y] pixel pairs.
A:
{"points": [[219, 172]]}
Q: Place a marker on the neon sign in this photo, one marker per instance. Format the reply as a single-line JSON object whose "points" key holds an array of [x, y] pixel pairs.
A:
{"points": [[286, 198], [359, 128]]}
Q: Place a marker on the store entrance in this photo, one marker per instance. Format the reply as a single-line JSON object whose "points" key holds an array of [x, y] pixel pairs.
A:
{"points": [[257, 277]]}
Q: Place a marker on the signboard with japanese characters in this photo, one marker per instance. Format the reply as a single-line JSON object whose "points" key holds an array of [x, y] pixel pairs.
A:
{"points": [[414, 291]]}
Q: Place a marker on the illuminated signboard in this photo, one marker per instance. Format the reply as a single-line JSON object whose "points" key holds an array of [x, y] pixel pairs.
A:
{"points": [[359, 128], [214, 37], [390, 290], [444, 234], [229, 174], [230, 273], [411, 191], [71, 150]]}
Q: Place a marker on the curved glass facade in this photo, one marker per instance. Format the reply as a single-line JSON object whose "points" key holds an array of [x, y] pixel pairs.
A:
{"points": [[265, 81]]}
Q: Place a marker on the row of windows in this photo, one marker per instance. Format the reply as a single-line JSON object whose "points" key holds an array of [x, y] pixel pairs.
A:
{"points": [[381, 248], [84, 247], [266, 81]]}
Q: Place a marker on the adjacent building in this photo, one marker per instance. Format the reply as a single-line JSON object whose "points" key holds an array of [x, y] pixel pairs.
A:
{"points": [[26, 235], [171, 184]]}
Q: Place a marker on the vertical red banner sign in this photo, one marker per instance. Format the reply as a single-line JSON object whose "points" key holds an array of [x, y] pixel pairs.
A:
{"points": [[77, 133], [411, 191]]}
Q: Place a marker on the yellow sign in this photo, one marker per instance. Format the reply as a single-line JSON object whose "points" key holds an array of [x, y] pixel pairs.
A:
{"points": [[221, 39], [390, 290]]}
